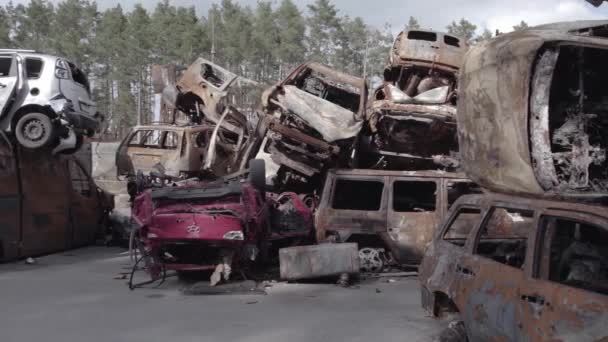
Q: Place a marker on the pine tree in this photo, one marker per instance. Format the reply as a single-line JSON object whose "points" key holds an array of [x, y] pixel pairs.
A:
{"points": [[521, 26], [5, 28], [323, 25], [291, 28], [412, 24], [265, 41], [464, 29]]}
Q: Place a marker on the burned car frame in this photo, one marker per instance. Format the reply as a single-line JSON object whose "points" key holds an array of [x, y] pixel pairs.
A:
{"points": [[310, 124], [519, 269], [532, 110], [182, 150], [48, 203], [392, 215], [415, 104]]}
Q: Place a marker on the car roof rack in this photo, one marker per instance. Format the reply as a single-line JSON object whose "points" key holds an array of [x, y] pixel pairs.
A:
{"points": [[17, 50]]}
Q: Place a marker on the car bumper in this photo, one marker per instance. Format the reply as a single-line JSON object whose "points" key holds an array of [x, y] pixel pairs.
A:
{"points": [[77, 119]]}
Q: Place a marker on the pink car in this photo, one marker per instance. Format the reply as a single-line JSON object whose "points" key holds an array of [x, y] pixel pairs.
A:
{"points": [[198, 226]]}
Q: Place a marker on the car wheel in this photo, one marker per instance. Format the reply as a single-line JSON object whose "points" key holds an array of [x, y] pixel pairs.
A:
{"points": [[34, 130], [257, 174], [455, 332]]}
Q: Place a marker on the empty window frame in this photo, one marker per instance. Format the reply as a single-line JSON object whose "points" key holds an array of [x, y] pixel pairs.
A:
{"points": [[464, 222], [79, 76], [422, 35], [146, 138], [450, 40], [350, 194], [33, 67], [171, 140], [574, 253], [457, 189], [504, 234], [414, 196], [5, 66]]}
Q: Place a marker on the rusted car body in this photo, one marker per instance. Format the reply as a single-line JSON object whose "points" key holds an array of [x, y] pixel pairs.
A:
{"points": [[47, 203], [195, 226], [532, 110], [183, 151], [311, 121], [519, 269], [397, 211], [412, 116]]}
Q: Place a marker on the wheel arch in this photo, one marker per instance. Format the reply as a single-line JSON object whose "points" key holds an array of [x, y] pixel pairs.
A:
{"points": [[443, 304], [31, 108]]}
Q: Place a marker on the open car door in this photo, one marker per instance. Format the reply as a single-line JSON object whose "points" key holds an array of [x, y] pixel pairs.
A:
{"points": [[124, 165], [10, 65]]}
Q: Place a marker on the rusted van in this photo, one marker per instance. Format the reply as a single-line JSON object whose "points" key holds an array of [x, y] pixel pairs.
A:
{"points": [[47, 203], [392, 215]]}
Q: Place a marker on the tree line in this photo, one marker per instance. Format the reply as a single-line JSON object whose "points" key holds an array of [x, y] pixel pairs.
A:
{"points": [[116, 47]]}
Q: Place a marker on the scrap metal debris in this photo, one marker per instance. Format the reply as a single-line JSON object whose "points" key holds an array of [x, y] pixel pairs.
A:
{"points": [[412, 117], [311, 120]]}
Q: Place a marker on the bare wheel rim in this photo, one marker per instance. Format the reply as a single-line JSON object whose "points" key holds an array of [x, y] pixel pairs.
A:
{"points": [[370, 260], [34, 130]]}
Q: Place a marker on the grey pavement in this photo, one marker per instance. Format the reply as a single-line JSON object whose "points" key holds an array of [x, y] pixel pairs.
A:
{"points": [[73, 296]]}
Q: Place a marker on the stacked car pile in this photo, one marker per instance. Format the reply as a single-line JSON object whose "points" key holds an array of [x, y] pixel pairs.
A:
{"points": [[530, 261], [315, 120]]}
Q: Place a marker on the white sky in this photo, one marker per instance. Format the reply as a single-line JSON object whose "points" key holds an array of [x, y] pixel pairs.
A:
{"points": [[433, 14]]}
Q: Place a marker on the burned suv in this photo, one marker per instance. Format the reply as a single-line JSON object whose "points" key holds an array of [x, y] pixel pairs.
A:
{"points": [[412, 116], [520, 269], [45, 100], [533, 111]]}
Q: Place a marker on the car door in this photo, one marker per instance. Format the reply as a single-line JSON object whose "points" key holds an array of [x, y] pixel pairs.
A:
{"points": [[84, 205], [76, 88], [353, 204], [10, 201], [496, 272], [46, 202], [441, 268], [144, 150], [413, 214], [8, 81], [567, 297]]}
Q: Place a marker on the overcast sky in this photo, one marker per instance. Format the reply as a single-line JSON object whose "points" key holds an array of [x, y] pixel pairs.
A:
{"points": [[433, 14]]}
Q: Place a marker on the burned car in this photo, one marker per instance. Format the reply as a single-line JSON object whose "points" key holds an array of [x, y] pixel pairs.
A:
{"points": [[520, 269], [533, 110], [48, 203], [182, 151], [412, 116], [311, 122], [392, 215], [45, 101], [221, 226]]}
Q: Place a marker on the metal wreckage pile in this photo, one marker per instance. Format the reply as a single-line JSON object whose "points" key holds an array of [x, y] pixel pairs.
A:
{"points": [[377, 181], [505, 213], [220, 191]]}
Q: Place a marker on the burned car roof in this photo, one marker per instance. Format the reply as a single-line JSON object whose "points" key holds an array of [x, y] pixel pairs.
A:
{"points": [[437, 49], [520, 105]]}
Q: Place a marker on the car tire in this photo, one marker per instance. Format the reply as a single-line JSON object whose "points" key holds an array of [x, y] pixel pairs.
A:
{"points": [[34, 130], [257, 174]]}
